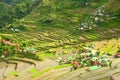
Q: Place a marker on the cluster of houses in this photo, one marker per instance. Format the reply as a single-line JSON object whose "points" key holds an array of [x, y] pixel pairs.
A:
{"points": [[94, 19]]}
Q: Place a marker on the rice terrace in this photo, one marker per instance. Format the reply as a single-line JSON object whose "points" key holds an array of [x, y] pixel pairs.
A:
{"points": [[59, 39]]}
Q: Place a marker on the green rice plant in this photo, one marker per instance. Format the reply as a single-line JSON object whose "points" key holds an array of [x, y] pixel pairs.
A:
{"points": [[33, 70], [49, 68], [41, 72], [15, 73]]}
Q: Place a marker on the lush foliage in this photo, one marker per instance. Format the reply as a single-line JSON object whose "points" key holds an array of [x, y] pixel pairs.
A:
{"points": [[57, 20], [9, 49], [15, 9], [51, 13]]}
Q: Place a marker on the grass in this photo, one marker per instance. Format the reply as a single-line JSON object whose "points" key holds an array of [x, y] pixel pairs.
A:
{"points": [[42, 55], [108, 47], [41, 72], [14, 73], [113, 4], [113, 50], [62, 14], [29, 56], [33, 70], [90, 36], [62, 66], [50, 68], [109, 24], [44, 41]]}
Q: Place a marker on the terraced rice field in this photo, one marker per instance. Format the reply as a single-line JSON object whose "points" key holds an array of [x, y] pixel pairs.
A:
{"points": [[50, 71], [28, 69]]}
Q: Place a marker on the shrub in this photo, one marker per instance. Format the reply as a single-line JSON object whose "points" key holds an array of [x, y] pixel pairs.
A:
{"points": [[9, 48]]}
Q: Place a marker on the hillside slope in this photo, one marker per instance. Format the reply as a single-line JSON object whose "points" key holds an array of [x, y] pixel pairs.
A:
{"points": [[63, 73], [69, 15], [54, 24], [55, 28]]}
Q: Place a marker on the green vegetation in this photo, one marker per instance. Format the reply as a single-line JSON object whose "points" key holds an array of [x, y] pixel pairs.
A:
{"points": [[50, 29], [33, 70], [15, 73], [49, 25], [50, 68], [62, 66], [43, 55], [15, 9], [10, 49], [41, 72]]}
